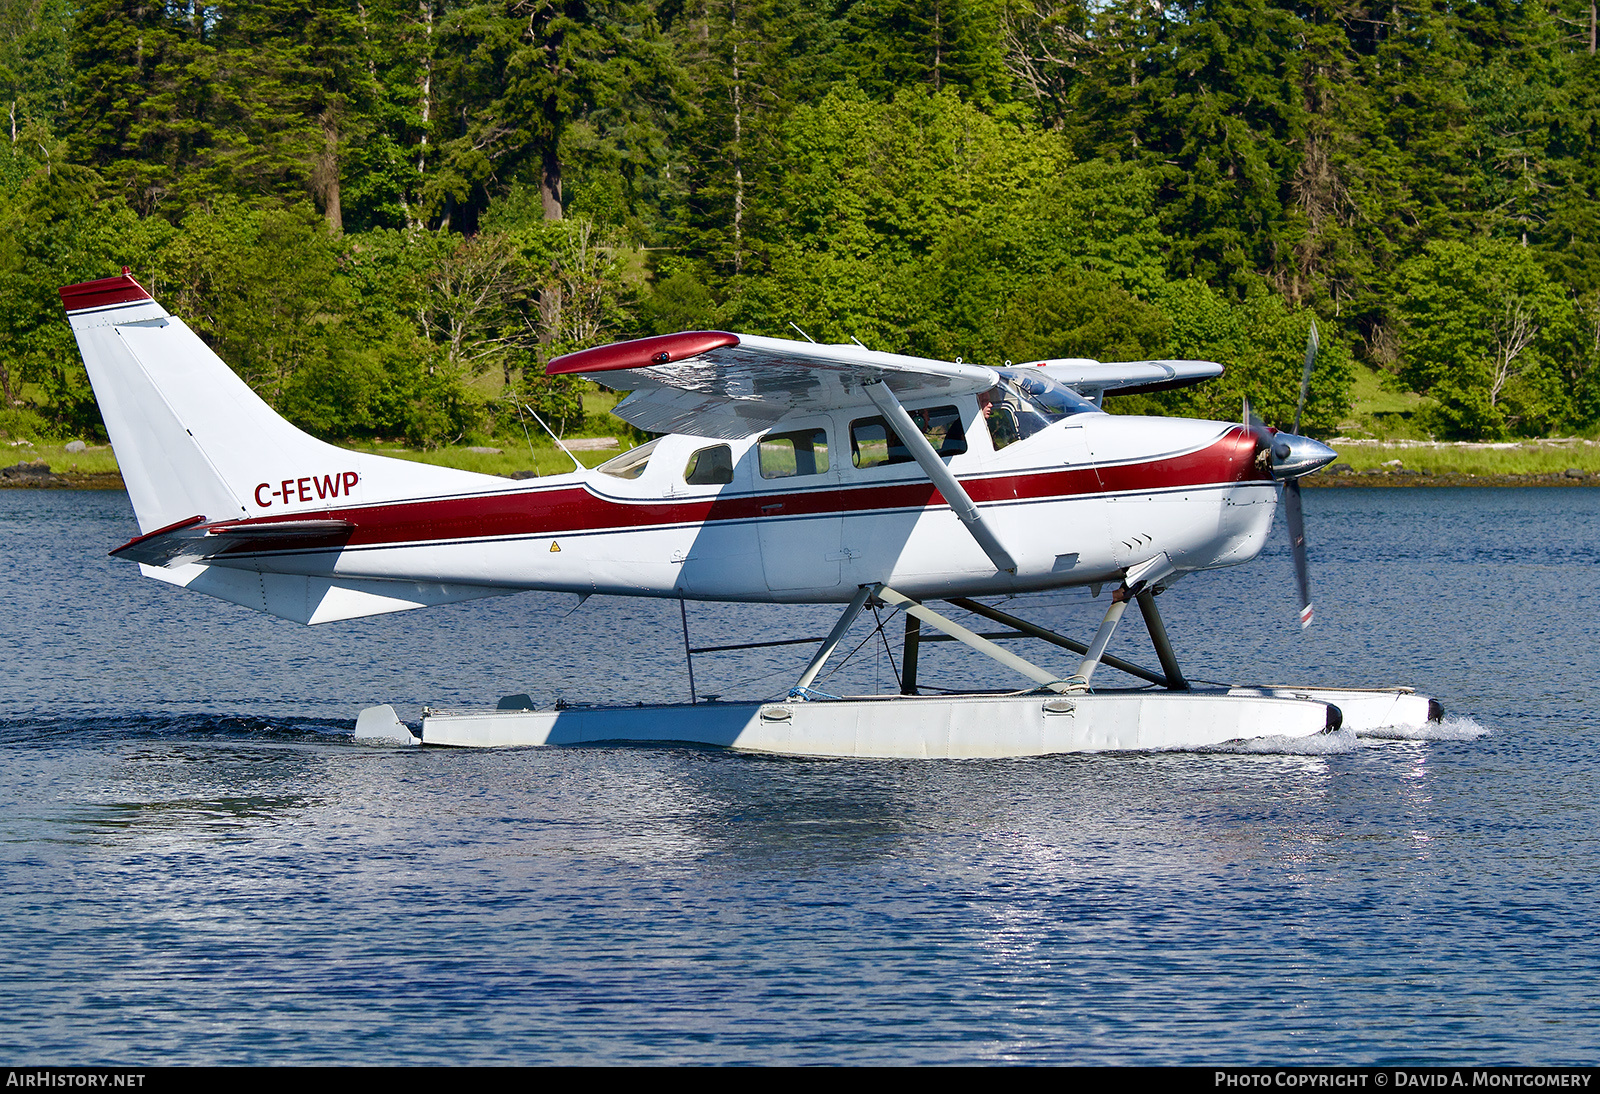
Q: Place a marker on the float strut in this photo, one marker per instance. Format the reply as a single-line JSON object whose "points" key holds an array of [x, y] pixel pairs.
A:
{"points": [[688, 654], [908, 665], [1158, 637], [829, 644], [1102, 637]]}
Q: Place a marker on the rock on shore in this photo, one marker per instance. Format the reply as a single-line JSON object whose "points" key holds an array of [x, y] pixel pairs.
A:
{"points": [[39, 476]]}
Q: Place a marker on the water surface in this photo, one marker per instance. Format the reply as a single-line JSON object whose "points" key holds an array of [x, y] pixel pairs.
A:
{"points": [[202, 865]]}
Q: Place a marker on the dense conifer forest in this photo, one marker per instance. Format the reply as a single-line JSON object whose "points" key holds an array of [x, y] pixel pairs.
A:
{"points": [[387, 214]]}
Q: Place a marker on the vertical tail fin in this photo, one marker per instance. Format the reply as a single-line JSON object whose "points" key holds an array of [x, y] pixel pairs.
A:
{"points": [[192, 439]]}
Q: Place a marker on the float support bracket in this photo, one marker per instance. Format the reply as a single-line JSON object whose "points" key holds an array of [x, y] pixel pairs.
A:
{"points": [[978, 642], [1033, 630], [830, 643]]}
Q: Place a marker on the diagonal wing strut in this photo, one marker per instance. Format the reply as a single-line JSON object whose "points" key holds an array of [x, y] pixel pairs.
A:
{"points": [[934, 467]]}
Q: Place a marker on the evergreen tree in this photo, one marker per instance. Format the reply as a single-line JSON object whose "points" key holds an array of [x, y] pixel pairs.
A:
{"points": [[143, 108], [298, 75], [35, 66], [1485, 328], [934, 44], [516, 79]]}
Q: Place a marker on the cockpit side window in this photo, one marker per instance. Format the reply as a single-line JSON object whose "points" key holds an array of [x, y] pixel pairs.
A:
{"points": [[631, 464], [710, 467], [874, 444], [1023, 403]]}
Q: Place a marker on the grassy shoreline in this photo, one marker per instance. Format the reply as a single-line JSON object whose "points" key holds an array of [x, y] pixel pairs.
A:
{"points": [[1551, 456]]}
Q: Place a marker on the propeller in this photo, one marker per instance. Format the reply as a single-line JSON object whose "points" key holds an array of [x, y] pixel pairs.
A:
{"points": [[1297, 547], [1292, 509], [1290, 457]]}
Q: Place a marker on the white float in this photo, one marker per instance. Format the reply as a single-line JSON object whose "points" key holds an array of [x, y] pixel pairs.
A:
{"points": [[920, 727], [1061, 715]]}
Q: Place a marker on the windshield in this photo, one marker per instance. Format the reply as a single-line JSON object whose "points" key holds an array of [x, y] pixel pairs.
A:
{"points": [[631, 464], [1023, 403]]}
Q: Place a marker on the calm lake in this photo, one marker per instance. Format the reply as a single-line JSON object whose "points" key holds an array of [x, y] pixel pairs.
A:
{"points": [[201, 864]]}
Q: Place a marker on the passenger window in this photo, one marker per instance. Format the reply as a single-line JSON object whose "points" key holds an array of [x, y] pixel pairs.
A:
{"points": [[785, 455], [710, 467], [873, 443]]}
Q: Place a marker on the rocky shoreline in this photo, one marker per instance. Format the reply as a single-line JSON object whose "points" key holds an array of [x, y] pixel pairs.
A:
{"points": [[38, 476]]}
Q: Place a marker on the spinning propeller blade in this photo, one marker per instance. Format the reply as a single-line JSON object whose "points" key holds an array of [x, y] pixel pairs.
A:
{"points": [[1297, 546], [1251, 421], [1312, 343], [1292, 510]]}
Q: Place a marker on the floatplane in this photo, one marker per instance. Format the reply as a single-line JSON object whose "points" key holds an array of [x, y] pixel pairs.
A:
{"points": [[786, 472]]}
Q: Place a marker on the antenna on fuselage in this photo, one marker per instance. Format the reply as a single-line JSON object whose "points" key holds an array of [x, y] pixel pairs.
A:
{"points": [[521, 406], [803, 334], [858, 341]]}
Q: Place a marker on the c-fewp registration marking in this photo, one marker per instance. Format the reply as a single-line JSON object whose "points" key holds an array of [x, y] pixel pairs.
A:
{"points": [[307, 488]]}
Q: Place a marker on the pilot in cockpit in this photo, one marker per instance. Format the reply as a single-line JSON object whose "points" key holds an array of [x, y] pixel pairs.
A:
{"points": [[1023, 403], [999, 416]]}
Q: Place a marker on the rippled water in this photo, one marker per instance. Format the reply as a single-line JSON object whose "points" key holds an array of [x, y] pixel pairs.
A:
{"points": [[201, 865]]}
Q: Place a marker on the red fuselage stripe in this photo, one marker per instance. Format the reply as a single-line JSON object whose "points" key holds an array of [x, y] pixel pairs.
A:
{"points": [[573, 508]]}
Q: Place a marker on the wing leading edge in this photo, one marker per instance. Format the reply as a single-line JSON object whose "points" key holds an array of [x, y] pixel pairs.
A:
{"points": [[1094, 379]]}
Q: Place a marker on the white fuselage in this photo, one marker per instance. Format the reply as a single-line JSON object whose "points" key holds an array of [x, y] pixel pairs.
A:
{"points": [[1078, 503]]}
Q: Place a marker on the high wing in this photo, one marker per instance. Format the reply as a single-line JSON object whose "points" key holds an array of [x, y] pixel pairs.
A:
{"points": [[1094, 379], [715, 384]]}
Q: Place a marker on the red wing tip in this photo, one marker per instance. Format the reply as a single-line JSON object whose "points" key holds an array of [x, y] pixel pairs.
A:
{"points": [[122, 289], [641, 352], [1306, 616]]}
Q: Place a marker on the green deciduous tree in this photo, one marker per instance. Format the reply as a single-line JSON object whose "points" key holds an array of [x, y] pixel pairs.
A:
{"points": [[1484, 330], [56, 229], [1261, 343], [911, 224]]}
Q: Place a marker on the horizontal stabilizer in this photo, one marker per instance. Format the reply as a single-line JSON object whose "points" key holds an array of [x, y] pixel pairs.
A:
{"points": [[315, 599], [194, 540]]}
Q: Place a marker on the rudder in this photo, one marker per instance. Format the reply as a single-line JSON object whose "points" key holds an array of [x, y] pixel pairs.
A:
{"points": [[192, 438]]}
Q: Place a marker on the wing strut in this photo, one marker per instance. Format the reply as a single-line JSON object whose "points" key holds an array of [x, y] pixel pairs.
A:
{"points": [[954, 493]]}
